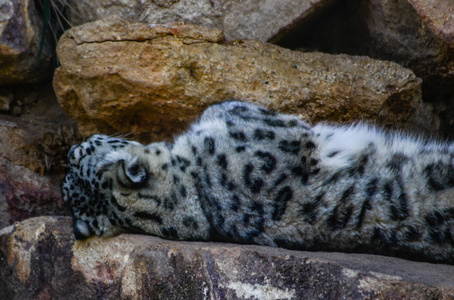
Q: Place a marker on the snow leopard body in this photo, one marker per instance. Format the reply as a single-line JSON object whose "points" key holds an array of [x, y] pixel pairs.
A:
{"points": [[245, 174]]}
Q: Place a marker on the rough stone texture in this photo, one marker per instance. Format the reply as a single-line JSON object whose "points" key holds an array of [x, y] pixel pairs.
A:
{"points": [[416, 34], [397, 33], [20, 37], [439, 16], [39, 259], [127, 78], [6, 98], [383, 29], [33, 144], [41, 137], [250, 19], [25, 194]]}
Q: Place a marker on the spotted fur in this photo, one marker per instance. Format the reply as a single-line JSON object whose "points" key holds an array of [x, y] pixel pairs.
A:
{"points": [[245, 174]]}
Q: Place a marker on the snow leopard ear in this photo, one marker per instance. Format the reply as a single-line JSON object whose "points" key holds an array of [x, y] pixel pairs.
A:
{"points": [[132, 173]]}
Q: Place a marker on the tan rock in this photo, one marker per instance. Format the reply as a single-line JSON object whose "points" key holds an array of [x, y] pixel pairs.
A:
{"points": [[248, 19], [118, 77], [41, 253], [20, 37]]}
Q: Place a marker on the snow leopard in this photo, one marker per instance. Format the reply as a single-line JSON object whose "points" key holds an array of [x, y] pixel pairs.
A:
{"points": [[245, 174]]}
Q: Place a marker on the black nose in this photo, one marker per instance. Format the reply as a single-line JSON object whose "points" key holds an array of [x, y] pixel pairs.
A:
{"points": [[72, 150]]}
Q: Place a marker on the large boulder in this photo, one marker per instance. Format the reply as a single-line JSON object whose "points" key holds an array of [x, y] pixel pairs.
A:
{"points": [[39, 259], [118, 77], [251, 19], [22, 59]]}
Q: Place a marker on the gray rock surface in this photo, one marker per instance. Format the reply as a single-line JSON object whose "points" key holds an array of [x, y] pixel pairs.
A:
{"points": [[25, 194], [39, 259], [439, 17], [398, 33], [250, 19], [20, 37], [118, 77]]}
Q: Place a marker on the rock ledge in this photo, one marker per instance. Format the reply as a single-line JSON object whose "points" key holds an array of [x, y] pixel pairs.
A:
{"points": [[40, 259]]}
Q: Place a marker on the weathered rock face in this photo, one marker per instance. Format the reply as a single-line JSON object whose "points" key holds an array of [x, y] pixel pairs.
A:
{"points": [[398, 33], [417, 34], [41, 137], [40, 259], [438, 16], [25, 194], [120, 77], [35, 133], [260, 20], [31, 145], [20, 37]]}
